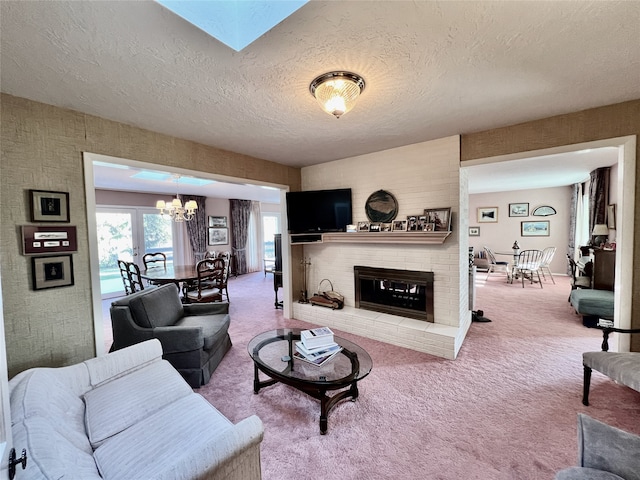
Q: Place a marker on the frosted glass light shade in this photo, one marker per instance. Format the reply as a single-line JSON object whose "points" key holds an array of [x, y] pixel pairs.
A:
{"points": [[337, 92]]}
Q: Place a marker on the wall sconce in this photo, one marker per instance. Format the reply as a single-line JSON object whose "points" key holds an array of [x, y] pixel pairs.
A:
{"points": [[337, 92]]}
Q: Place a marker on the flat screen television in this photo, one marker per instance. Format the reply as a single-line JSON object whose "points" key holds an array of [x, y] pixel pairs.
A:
{"points": [[317, 211]]}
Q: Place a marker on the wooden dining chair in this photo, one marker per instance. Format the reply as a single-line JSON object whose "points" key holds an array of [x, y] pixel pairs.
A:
{"points": [[226, 256], [154, 260], [130, 273], [209, 283]]}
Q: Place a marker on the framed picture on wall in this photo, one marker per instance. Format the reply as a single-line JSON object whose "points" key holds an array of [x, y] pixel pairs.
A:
{"points": [[474, 231], [487, 214], [220, 222], [518, 209], [218, 236], [534, 229], [52, 271], [49, 206]]}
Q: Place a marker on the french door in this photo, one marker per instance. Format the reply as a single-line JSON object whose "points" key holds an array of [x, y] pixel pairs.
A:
{"points": [[270, 226], [127, 234]]}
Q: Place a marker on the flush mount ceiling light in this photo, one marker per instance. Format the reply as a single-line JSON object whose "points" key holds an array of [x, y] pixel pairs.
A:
{"points": [[337, 92]]}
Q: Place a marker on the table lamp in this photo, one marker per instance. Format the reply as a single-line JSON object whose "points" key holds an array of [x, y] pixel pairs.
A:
{"points": [[600, 234]]}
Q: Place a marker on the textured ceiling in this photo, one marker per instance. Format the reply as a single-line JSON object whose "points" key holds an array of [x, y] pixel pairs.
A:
{"points": [[432, 69]]}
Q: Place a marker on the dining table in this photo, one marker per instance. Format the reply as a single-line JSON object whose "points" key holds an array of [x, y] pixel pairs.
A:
{"points": [[511, 273], [170, 274], [183, 276]]}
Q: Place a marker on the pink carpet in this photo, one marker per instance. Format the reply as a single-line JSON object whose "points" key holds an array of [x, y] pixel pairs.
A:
{"points": [[505, 409]]}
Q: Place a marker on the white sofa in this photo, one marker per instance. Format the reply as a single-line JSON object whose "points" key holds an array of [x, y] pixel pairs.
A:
{"points": [[126, 415]]}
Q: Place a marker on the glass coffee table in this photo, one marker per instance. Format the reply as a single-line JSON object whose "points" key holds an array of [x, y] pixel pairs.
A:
{"points": [[272, 354]]}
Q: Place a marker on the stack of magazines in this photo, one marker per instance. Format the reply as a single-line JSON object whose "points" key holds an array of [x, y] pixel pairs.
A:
{"points": [[316, 346]]}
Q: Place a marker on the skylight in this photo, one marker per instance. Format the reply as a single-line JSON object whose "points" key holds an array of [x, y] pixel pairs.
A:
{"points": [[236, 23], [148, 175], [195, 181]]}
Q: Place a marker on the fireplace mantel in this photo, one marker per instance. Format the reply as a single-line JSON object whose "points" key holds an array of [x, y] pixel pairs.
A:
{"points": [[407, 238]]}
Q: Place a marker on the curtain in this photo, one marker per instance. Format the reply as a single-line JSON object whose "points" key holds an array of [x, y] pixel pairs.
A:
{"points": [[240, 214], [254, 252], [598, 196], [579, 234], [576, 189], [182, 253], [197, 227]]}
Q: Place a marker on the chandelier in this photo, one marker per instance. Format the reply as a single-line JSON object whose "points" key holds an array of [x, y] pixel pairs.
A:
{"points": [[337, 92], [175, 209]]}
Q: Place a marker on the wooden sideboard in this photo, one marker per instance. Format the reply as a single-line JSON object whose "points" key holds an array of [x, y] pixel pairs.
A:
{"points": [[604, 269]]}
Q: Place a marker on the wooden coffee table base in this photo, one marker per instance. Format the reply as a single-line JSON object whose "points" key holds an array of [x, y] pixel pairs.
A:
{"points": [[326, 402]]}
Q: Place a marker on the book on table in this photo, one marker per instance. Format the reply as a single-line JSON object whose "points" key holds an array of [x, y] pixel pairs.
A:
{"points": [[319, 359], [316, 337], [316, 352]]}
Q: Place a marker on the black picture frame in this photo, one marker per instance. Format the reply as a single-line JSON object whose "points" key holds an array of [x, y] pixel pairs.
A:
{"points": [[49, 206], [218, 236], [52, 271], [217, 221], [474, 231]]}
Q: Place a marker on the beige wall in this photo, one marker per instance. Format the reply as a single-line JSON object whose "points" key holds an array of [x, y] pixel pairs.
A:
{"points": [[500, 236], [42, 148], [585, 126]]}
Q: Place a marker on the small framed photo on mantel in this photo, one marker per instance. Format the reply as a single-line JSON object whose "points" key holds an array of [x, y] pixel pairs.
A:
{"points": [[439, 218]]}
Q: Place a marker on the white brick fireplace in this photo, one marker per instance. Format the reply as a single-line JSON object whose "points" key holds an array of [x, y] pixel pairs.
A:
{"points": [[424, 175]]}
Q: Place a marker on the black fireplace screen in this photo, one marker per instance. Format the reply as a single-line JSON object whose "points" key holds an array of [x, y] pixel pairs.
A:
{"points": [[398, 292]]}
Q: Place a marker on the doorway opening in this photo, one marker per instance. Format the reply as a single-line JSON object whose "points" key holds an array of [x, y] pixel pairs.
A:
{"points": [[624, 183], [94, 161]]}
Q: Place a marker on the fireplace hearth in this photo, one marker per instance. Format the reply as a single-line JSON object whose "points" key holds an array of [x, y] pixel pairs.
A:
{"points": [[407, 293]]}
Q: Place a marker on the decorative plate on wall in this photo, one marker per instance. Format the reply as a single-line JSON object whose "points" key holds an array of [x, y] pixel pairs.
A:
{"points": [[381, 206], [544, 211]]}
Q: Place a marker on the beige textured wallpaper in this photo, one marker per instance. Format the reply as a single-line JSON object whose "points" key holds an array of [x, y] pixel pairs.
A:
{"points": [[42, 148]]}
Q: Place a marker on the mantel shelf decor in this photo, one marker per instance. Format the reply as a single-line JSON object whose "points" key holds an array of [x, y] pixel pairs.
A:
{"points": [[406, 238]]}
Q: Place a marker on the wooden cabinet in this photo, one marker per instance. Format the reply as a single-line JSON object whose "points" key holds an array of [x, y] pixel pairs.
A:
{"points": [[604, 269]]}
